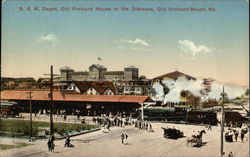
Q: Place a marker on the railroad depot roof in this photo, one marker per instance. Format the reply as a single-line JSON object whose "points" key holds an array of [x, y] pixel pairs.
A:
{"points": [[43, 95]]}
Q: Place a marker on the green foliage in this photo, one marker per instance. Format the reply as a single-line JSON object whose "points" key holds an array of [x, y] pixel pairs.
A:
{"points": [[152, 92], [21, 128], [15, 145], [6, 146]]}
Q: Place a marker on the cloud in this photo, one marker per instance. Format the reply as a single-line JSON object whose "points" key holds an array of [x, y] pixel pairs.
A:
{"points": [[138, 45], [138, 49], [189, 46], [49, 38], [135, 42]]}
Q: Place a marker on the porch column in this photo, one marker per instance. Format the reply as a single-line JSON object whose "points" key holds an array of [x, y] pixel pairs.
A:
{"points": [[142, 111]]}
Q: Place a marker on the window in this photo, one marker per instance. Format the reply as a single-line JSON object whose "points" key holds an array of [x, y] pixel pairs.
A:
{"points": [[120, 89], [132, 89], [126, 89]]}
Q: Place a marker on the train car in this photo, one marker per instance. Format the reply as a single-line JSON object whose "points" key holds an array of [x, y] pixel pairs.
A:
{"points": [[163, 114], [172, 114], [9, 109], [155, 114], [202, 117]]}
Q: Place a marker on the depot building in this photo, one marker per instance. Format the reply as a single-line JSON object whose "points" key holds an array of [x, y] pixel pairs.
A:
{"points": [[72, 103]]}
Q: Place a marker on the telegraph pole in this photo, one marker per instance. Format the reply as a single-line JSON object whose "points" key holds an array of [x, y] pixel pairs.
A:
{"points": [[30, 113], [222, 122], [51, 99]]}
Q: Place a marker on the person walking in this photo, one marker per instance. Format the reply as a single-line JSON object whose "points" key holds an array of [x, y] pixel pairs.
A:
{"points": [[118, 122], [236, 134], [230, 154], [140, 125], [67, 142], [242, 135], [209, 127], [52, 146], [49, 143], [150, 128], [121, 122], [52, 138], [126, 137], [122, 138], [65, 117]]}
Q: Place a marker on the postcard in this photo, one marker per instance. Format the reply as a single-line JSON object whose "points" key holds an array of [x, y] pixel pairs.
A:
{"points": [[115, 78]]}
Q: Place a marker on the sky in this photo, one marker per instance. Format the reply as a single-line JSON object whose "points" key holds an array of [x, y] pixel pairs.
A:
{"points": [[199, 43]]}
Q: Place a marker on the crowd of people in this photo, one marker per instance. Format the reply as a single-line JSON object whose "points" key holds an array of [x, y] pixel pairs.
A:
{"points": [[233, 134], [143, 125]]}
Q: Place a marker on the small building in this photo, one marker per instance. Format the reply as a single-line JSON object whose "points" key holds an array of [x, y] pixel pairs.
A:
{"points": [[11, 83]]}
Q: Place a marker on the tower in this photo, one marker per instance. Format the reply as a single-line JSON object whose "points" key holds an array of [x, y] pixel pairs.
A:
{"points": [[131, 73], [66, 73]]}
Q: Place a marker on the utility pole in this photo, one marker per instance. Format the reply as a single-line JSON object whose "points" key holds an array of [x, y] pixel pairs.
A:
{"points": [[222, 122], [29, 96], [51, 99]]}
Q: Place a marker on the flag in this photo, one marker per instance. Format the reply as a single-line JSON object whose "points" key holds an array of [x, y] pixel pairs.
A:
{"points": [[99, 58]]}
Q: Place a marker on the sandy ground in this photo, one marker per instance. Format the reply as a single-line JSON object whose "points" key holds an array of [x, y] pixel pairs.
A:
{"points": [[140, 143]]}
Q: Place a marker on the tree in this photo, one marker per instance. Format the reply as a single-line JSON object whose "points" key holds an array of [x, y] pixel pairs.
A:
{"points": [[195, 100], [142, 77], [165, 88], [247, 92], [152, 92]]}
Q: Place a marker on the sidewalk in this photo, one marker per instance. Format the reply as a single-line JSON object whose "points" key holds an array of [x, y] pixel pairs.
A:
{"points": [[40, 149]]}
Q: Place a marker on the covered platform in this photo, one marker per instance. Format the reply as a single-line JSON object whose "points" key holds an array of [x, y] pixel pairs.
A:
{"points": [[70, 103]]}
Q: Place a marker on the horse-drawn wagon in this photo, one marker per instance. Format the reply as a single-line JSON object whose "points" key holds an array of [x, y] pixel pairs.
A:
{"points": [[195, 140]]}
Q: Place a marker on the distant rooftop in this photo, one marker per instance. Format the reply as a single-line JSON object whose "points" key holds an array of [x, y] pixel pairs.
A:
{"points": [[98, 66], [131, 66], [174, 75], [66, 68]]}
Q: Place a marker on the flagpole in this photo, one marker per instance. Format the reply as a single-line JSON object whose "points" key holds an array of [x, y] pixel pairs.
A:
{"points": [[98, 60]]}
